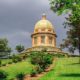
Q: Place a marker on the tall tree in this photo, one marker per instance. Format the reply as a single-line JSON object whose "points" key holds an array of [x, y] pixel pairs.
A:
{"points": [[4, 48], [20, 48], [72, 7]]}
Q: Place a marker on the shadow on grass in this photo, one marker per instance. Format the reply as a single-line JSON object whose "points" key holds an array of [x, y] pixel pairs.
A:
{"points": [[74, 64], [71, 75]]}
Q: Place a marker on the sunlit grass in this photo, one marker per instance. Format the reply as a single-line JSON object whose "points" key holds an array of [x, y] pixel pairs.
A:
{"points": [[65, 69], [20, 67]]}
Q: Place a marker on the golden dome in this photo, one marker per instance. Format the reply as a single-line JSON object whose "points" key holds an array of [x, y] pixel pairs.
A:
{"points": [[43, 24]]}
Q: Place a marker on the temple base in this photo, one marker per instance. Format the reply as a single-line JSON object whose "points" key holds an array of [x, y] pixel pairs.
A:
{"points": [[47, 48]]}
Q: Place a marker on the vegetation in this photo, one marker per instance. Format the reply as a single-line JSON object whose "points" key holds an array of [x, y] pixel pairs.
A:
{"points": [[20, 76], [3, 75], [16, 58], [0, 62], [21, 67], [5, 50], [72, 42], [64, 69], [20, 48], [33, 73], [59, 55], [42, 59]]}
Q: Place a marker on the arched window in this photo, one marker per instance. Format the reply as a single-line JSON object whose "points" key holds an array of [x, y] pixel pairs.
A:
{"points": [[42, 39], [50, 40], [35, 40]]}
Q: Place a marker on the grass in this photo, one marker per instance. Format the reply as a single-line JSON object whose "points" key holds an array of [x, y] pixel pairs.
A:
{"points": [[65, 69], [20, 67], [5, 61]]}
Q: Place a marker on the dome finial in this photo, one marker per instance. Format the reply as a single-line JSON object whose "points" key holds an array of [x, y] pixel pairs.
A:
{"points": [[43, 16]]}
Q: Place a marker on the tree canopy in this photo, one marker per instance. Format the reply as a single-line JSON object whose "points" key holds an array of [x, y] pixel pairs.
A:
{"points": [[61, 6], [72, 7], [4, 47], [20, 48]]}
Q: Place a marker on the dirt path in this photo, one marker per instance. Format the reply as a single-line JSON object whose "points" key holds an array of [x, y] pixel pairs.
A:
{"points": [[28, 77]]}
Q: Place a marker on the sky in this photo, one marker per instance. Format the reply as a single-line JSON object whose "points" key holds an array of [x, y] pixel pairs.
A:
{"points": [[18, 18]]}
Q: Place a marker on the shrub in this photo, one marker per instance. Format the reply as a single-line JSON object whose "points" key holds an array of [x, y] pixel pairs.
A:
{"points": [[23, 56], [3, 64], [16, 58], [20, 76], [9, 62], [3, 75], [38, 69], [59, 55], [43, 59], [0, 62], [33, 73]]}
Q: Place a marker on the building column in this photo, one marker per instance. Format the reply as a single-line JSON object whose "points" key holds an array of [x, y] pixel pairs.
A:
{"points": [[39, 40], [46, 40], [54, 41]]}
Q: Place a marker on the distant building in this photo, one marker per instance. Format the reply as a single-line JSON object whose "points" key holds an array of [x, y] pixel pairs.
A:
{"points": [[44, 36]]}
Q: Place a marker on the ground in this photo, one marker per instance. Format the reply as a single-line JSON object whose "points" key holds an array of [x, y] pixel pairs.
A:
{"points": [[20, 67], [65, 69]]}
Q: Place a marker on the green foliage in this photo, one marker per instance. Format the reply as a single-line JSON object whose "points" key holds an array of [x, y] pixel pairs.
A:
{"points": [[9, 62], [0, 62], [20, 48], [43, 59], [33, 73], [72, 42], [63, 6], [16, 58], [4, 48], [23, 56], [4, 64], [59, 55], [20, 67], [3, 75], [64, 69], [20, 76], [39, 69]]}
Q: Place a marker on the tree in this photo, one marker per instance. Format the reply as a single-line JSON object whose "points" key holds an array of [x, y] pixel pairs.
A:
{"points": [[20, 48], [4, 48], [61, 6], [72, 7]]}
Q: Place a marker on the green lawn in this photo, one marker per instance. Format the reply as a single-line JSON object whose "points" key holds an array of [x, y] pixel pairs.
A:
{"points": [[5, 61], [13, 69], [65, 69]]}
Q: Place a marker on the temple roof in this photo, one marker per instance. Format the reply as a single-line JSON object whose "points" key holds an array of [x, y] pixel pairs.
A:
{"points": [[43, 24]]}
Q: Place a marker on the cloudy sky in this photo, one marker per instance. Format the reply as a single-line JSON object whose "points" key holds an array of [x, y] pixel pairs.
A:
{"points": [[18, 17]]}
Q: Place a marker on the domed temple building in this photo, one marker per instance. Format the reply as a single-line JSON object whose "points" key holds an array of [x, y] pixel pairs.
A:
{"points": [[44, 36]]}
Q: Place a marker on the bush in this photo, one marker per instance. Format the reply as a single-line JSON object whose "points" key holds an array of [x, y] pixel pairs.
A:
{"points": [[3, 75], [0, 62], [23, 56], [33, 73], [9, 62], [20, 76], [39, 69], [3, 64], [43, 59], [16, 58], [59, 55]]}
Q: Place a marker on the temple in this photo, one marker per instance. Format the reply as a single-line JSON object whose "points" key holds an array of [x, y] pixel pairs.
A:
{"points": [[44, 36]]}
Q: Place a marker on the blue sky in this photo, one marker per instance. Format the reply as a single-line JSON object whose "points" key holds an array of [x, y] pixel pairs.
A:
{"points": [[18, 17]]}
